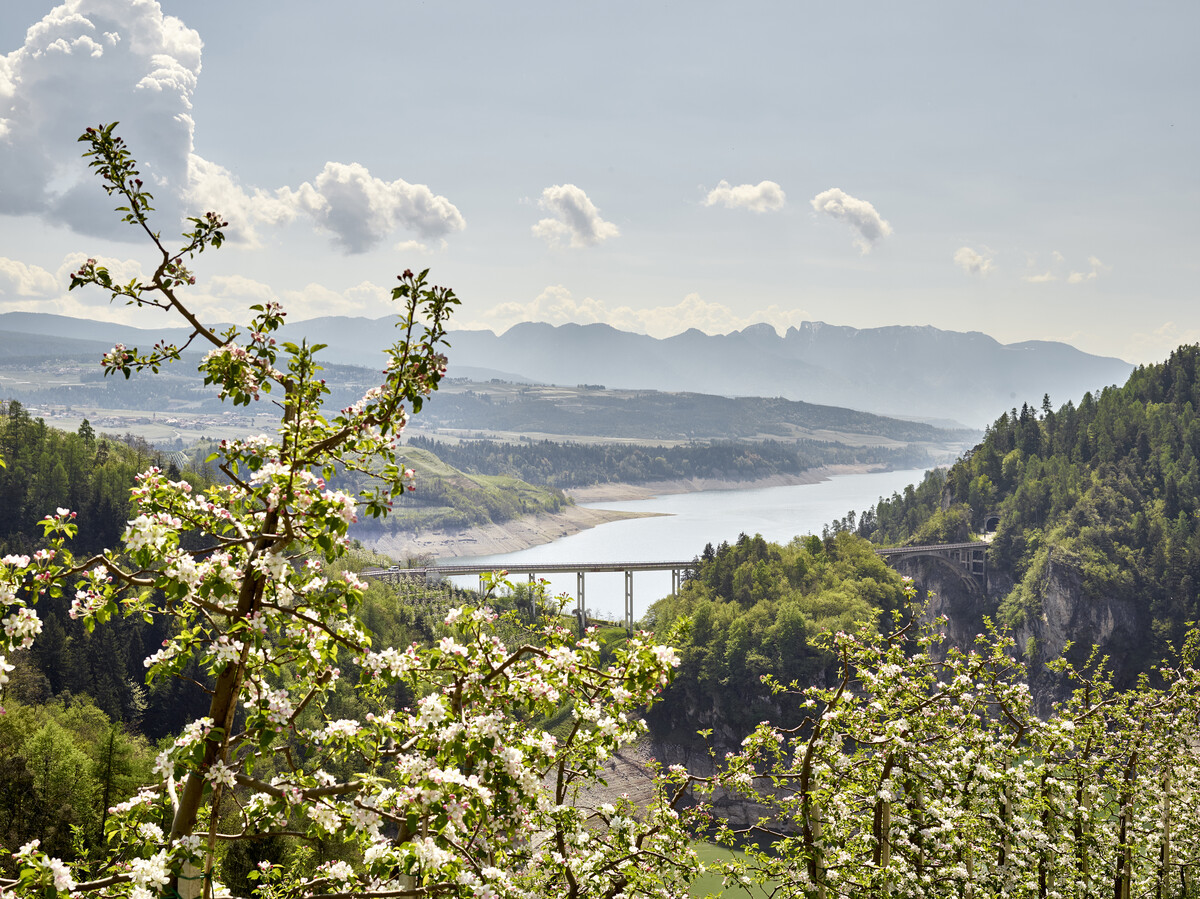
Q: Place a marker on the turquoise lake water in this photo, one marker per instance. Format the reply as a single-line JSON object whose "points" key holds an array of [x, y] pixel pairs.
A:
{"points": [[686, 522]]}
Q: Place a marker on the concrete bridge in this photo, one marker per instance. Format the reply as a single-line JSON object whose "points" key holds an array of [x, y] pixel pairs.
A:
{"points": [[970, 558], [397, 575]]}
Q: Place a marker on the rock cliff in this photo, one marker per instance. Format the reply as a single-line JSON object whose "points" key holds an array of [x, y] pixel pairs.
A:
{"points": [[1067, 619], [1068, 616]]}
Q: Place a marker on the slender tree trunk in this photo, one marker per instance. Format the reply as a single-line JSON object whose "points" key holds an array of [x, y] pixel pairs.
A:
{"points": [[1164, 855], [1123, 884], [1005, 823], [882, 824], [1045, 874], [817, 854], [1082, 858], [106, 800], [225, 696], [917, 814]]}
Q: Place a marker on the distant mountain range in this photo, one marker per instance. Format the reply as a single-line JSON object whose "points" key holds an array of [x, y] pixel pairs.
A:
{"points": [[910, 371]]}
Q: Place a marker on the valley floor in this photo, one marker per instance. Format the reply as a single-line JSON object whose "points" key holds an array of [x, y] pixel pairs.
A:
{"points": [[522, 533]]}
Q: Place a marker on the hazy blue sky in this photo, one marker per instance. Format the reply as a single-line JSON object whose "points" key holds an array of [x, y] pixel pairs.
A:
{"points": [[1024, 169]]}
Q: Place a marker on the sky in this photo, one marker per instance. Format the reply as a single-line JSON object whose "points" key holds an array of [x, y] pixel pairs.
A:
{"points": [[1024, 169]]}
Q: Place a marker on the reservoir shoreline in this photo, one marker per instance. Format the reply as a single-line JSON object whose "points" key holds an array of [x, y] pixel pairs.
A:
{"points": [[535, 530]]}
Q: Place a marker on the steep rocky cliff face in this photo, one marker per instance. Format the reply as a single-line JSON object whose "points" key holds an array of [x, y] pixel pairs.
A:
{"points": [[1067, 617], [1066, 620]]}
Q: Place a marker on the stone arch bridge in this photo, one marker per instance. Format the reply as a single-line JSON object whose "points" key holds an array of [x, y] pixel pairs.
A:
{"points": [[969, 558]]}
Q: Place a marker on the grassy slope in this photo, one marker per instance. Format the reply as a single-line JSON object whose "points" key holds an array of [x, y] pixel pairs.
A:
{"points": [[449, 498]]}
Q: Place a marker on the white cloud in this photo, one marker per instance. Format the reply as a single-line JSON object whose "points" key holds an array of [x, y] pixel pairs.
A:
{"points": [[30, 288], [414, 246], [212, 187], [1156, 345], [358, 209], [555, 305], [28, 281], [122, 271], [858, 214], [576, 219], [141, 67], [766, 196], [973, 262], [712, 318], [1097, 268], [361, 210], [238, 287], [127, 59], [220, 298]]}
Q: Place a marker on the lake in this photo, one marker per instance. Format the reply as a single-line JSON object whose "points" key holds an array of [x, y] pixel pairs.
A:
{"points": [[686, 522]]}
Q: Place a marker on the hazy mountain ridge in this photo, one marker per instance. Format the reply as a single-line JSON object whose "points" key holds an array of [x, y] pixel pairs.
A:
{"points": [[915, 371], [897, 370]]}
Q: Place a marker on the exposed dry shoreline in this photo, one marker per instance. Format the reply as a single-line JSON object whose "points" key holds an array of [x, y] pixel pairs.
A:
{"points": [[494, 539], [533, 530]]}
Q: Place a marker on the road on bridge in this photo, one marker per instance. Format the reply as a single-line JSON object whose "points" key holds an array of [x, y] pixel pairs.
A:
{"points": [[395, 574]]}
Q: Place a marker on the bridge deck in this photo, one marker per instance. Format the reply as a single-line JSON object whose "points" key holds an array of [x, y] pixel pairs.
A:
{"points": [[580, 568], [533, 568], [932, 547], [970, 558], [972, 565]]}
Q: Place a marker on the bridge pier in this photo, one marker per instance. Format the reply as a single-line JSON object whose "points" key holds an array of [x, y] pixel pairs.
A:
{"points": [[629, 600], [580, 608], [678, 570]]}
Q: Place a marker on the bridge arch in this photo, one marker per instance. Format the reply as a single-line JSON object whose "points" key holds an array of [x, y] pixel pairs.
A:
{"points": [[968, 559]]}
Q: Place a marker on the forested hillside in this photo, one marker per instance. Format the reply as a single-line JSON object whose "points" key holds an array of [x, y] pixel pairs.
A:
{"points": [[588, 410], [582, 464], [755, 609], [1108, 489], [46, 468]]}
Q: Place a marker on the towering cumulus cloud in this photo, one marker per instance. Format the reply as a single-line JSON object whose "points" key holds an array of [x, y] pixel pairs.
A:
{"points": [[766, 196], [575, 219], [858, 214], [139, 66], [126, 59]]}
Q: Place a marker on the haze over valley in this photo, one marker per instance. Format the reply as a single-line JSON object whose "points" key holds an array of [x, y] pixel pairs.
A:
{"points": [[955, 379], [598, 450]]}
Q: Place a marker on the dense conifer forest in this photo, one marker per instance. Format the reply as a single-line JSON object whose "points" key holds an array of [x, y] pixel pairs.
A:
{"points": [[754, 609], [1109, 487], [46, 468]]}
